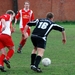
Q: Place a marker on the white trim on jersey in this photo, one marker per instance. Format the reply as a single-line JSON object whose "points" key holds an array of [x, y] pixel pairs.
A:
{"points": [[49, 29], [20, 25], [57, 25], [7, 28]]}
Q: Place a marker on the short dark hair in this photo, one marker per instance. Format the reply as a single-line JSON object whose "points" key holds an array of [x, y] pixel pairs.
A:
{"points": [[49, 15]]}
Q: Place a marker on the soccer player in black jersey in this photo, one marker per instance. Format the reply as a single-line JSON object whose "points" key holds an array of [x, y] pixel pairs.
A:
{"points": [[39, 38]]}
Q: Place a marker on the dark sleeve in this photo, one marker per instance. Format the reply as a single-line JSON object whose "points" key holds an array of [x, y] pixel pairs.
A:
{"points": [[58, 27], [32, 23]]}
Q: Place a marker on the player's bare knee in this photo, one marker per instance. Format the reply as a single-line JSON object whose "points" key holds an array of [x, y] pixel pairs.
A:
{"points": [[12, 48]]}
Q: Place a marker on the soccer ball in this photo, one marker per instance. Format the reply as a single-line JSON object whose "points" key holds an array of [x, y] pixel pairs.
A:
{"points": [[46, 61]]}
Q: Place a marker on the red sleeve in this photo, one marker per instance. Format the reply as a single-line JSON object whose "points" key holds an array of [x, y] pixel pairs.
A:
{"points": [[32, 17], [18, 15], [6, 17]]}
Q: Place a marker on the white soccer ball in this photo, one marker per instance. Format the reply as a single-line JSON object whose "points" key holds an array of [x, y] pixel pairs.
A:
{"points": [[46, 61]]}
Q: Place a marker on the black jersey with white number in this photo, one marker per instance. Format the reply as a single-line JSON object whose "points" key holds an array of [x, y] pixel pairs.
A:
{"points": [[43, 27]]}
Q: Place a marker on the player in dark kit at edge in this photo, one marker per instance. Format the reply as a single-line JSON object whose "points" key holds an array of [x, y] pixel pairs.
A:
{"points": [[39, 38]]}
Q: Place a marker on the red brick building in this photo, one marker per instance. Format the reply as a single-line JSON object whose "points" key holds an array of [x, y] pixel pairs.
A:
{"points": [[62, 9]]}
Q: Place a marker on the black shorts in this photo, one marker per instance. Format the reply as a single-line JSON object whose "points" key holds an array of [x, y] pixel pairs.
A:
{"points": [[38, 42]]}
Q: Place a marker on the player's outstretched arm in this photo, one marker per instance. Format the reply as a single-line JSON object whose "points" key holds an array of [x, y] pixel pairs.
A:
{"points": [[12, 28], [15, 22], [63, 37]]}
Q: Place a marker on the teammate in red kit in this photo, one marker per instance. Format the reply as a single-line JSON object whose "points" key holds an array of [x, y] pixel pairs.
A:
{"points": [[5, 39], [25, 16]]}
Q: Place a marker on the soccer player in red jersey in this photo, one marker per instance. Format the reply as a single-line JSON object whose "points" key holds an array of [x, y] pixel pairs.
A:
{"points": [[6, 39], [25, 15]]}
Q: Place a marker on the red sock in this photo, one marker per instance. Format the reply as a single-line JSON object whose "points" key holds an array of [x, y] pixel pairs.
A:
{"points": [[2, 59], [9, 54], [22, 43]]}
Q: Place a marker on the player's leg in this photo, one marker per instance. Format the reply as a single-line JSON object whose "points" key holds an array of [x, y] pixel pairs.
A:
{"points": [[10, 52], [3, 54], [10, 45], [33, 56], [40, 44], [34, 51], [22, 43], [8, 56], [23, 40], [38, 58]]}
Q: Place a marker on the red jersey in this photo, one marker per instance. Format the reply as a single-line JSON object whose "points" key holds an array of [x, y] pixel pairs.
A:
{"points": [[3, 17], [25, 17], [7, 19]]}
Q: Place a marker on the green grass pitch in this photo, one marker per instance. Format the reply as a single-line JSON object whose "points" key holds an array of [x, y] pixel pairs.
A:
{"points": [[62, 56]]}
